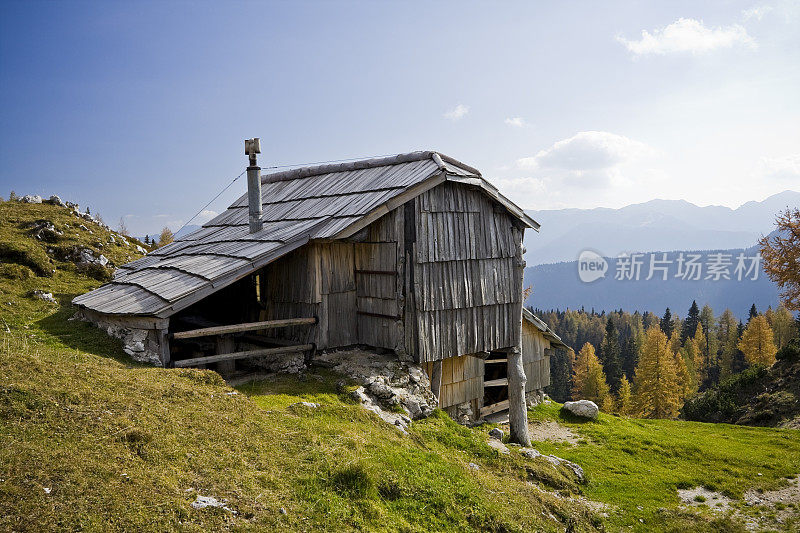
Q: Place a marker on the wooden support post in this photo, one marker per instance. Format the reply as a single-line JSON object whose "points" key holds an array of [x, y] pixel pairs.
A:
{"points": [[436, 381], [517, 409], [163, 346], [226, 345]]}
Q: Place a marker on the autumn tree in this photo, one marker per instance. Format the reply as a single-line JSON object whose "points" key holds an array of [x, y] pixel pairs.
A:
{"points": [[781, 254], [701, 361], [783, 326], [625, 398], [657, 388], [757, 343], [710, 349], [589, 380], [728, 341], [166, 237]]}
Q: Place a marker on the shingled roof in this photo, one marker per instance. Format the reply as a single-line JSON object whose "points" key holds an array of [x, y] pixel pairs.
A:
{"points": [[320, 202]]}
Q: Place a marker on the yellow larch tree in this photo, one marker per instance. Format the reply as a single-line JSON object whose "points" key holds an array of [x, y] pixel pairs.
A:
{"points": [[589, 380], [700, 362], [657, 388], [757, 342], [624, 398]]}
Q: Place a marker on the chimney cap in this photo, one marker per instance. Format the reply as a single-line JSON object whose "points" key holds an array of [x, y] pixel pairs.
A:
{"points": [[252, 146]]}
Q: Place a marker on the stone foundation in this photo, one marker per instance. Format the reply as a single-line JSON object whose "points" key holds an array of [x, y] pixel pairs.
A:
{"points": [[535, 397], [142, 344]]}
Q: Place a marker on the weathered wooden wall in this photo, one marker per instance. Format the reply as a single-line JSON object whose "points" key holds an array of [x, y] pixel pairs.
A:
{"points": [[379, 282], [462, 380], [289, 289], [353, 287], [534, 359], [466, 274]]}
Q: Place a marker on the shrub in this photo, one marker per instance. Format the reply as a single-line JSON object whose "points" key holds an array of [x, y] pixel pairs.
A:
{"points": [[95, 270], [790, 352], [15, 271], [724, 402], [352, 481], [12, 252]]}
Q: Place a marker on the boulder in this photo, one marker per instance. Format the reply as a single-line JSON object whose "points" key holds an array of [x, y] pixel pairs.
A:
{"points": [[55, 200], [497, 433], [583, 409], [31, 199]]}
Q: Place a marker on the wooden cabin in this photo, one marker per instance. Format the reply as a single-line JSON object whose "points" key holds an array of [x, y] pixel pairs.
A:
{"points": [[415, 254]]}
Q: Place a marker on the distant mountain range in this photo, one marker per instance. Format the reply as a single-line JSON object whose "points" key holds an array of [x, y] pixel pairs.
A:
{"points": [[559, 285], [653, 225]]}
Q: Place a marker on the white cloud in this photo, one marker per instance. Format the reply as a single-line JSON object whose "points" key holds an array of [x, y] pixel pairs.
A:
{"points": [[587, 150], [457, 113], [204, 216], [786, 168], [756, 12], [516, 122], [589, 160], [687, 35]]}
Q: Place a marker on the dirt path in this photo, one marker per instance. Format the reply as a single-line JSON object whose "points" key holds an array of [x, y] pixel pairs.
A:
{"points": [[550, 430], [766, 510]]}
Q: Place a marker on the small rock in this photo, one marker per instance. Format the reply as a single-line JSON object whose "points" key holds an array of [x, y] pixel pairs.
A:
{"points": [[209, 501], [45, 296], [530, 453], [310, 405], [84, 228], [473, 466], [497, 433], [46, 490], [583, 408], [283, 511], [499, 446]]}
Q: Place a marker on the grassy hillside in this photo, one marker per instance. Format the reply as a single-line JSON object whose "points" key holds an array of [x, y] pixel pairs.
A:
{"points": [[94, 441]]}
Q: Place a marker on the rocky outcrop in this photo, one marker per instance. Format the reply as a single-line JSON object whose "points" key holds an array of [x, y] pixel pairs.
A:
{"points": [[44, 230], [532, 453], [31, 199], [44, 296], [583, 409], [397, 391]]}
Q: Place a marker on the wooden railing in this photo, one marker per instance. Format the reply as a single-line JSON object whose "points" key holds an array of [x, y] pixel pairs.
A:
{"points": [[248, 326]]}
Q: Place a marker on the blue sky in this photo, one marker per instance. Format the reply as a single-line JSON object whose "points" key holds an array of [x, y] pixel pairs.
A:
{"points": [[139, 109]]}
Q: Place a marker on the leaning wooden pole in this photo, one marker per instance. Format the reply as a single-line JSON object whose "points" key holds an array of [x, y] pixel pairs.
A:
{"points": [[517, 408]]}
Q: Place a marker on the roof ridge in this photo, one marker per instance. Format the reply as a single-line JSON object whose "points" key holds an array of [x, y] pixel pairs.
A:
{"points": [[328, 168]]}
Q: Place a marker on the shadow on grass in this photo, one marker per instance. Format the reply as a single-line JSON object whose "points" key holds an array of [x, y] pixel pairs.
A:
{"points": [[81, 335], [567, 416]]}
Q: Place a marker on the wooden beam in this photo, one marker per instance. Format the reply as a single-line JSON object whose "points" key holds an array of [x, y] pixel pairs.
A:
{"points": [[490, 361], [242, 355], [494, 408], [496, 382], [249, 326]]}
